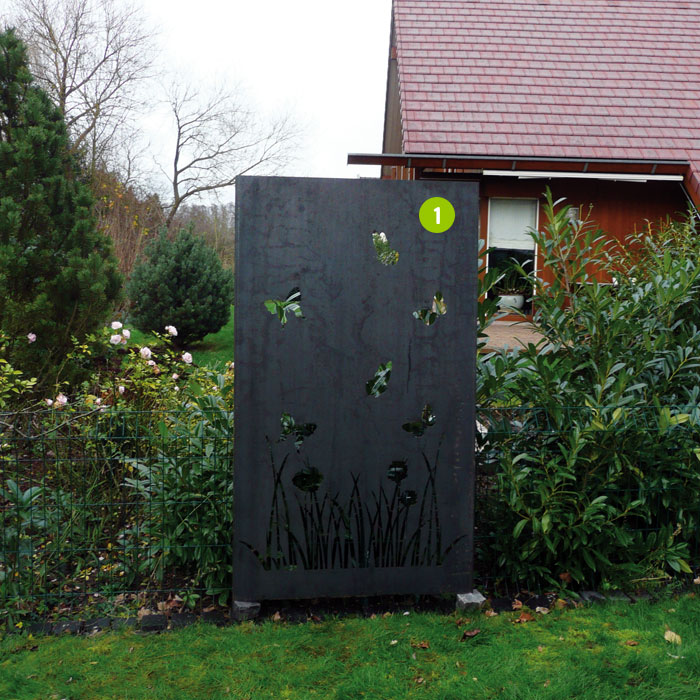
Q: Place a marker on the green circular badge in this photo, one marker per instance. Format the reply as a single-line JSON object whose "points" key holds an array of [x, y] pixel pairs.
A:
{"points": [[437, 215]]}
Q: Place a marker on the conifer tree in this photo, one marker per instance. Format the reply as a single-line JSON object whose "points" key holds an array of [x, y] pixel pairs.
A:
{"points": [[58, 276], [182, 283]]}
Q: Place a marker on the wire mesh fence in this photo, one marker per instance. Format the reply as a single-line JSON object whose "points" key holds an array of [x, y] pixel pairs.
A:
{"points": [[103, 503]]}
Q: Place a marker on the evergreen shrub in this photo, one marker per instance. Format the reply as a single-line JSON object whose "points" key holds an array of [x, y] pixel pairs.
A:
{"points": [[58, 276], [589, 461], [181, 283]]}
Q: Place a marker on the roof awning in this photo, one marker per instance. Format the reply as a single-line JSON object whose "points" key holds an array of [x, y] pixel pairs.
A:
{"points": [[616, 176], [527, 166]]}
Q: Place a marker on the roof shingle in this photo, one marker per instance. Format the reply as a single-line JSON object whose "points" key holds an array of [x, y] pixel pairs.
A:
{"points": [[571, 78]]}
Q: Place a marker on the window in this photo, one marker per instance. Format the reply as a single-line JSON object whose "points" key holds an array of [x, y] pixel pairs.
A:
{"points": [[509, 223]]}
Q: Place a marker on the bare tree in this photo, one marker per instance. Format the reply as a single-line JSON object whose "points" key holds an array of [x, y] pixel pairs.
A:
{"points": [[90, 56], [216, 140]]}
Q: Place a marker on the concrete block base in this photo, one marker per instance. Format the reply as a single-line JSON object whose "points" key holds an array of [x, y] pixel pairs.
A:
{"points": [[470, 601]]}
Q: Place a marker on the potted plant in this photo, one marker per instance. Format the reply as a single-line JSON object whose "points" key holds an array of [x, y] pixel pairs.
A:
{"points": [[511, 290]]}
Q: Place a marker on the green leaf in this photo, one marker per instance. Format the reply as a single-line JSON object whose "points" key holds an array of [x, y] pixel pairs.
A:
{"points": [[517, 530]]}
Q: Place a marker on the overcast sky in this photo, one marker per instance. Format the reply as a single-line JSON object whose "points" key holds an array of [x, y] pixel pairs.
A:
{"points": [[321, 60]]}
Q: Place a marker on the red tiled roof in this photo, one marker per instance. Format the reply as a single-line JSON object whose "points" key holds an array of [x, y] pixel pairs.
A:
{"points": [[551, 78]]}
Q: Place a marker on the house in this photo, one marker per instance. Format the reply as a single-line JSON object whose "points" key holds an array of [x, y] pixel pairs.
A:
{"points": [[597, 99]]}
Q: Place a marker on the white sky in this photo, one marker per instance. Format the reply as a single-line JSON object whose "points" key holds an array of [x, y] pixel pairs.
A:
{"points": [[323, 61]]}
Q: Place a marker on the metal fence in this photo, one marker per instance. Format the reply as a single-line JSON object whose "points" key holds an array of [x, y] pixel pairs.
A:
{"points": [[106, 505], [100, 503]]}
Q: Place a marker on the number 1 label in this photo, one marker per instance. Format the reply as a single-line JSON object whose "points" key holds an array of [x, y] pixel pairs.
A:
{"points": [[437, 214]]}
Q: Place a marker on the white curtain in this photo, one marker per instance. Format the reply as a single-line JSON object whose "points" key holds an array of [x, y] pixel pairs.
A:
{"points": [[509, 221]]}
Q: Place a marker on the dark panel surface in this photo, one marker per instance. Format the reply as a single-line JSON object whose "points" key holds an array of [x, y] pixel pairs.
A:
{"points": [[366, 504]]}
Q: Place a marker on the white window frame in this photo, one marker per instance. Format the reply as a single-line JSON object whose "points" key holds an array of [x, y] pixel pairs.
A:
{"points": [[537, 226]]}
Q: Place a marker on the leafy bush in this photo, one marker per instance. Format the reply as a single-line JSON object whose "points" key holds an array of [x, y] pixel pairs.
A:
{"points": [[189, 484], [58, 277], [181, 283], [595, 474]]}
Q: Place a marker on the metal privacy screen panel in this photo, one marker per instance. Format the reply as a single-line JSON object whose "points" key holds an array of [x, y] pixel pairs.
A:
{"points": [[355, 342]]}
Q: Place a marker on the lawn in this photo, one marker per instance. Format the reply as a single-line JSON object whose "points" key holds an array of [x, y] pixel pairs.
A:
{"points": [[603, 652], [214, 351]]}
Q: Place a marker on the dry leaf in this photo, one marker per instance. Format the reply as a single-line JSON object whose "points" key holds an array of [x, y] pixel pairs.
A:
{"points": [[386, 614], [560, 604], [463, 621], [524, 617], [540, 648], [468, 634], [561, 639], [517, 604], [144, 611], [565, 577], [277, 617], [542, 611], [632, 643], [490, 613], [420, 680], [393, 642], [546, 683], [209, 608], [696, 581], [421, 645], [671, 637], [372, 617]]}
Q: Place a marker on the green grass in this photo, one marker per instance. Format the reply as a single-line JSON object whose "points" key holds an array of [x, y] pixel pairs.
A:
{"points": [[567, 654], [214, 351]]}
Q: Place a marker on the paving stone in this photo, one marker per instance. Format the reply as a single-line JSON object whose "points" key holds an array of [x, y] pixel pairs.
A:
{"points": [[501, 604], [243, 610], [153, 623], [214, 617], [539, 601], [35, 628], [119, 623], [97, 624], [295, 617], [592, 597], [641, 595], [470, 601], [179, 620], [618, 597], [68, 627]]}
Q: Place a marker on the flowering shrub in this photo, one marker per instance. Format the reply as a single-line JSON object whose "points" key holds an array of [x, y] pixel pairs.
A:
{"points": [[90, 523]]}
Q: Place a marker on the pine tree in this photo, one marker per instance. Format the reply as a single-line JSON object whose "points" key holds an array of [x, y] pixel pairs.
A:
{"points": [[183, 284], [58, 276]]}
